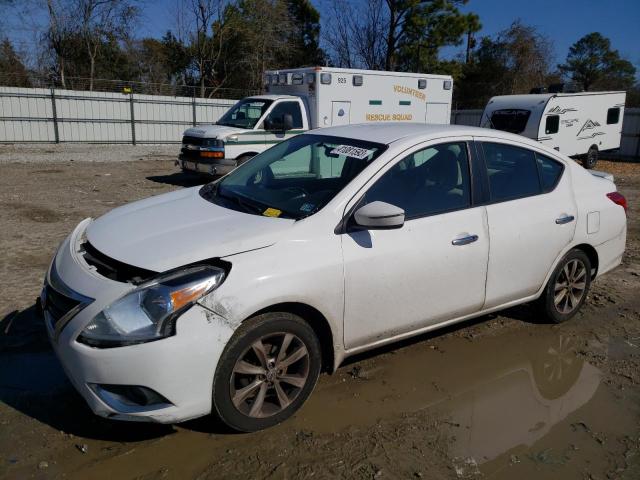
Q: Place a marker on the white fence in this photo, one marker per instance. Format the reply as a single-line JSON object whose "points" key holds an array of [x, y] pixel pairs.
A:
{"points": [[629, 144], [40, 115]]}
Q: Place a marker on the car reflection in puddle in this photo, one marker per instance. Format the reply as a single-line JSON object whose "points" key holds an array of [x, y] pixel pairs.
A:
{"points": [[519, 405], [492, 394]]}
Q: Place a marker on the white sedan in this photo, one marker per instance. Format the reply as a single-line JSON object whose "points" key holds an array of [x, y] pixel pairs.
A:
{"points": [[232, 297]]}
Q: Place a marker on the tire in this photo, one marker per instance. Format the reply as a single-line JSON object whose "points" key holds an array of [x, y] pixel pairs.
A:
{"points": [[591, 159], [243, 158], [242, 378], [557, 307]]}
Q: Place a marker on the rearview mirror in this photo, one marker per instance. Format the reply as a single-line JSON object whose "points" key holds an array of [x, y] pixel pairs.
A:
{"points": [[379, 216]]}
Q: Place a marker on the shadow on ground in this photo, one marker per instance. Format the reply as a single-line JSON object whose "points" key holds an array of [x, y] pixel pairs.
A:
{"points": [[181, 179], [32, 382]]}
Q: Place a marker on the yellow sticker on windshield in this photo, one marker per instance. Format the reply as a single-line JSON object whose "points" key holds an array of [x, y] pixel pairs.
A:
{"points": [[272, 212]]}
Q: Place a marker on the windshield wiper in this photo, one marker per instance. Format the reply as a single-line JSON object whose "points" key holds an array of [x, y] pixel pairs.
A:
{"points": [[241, 202]]}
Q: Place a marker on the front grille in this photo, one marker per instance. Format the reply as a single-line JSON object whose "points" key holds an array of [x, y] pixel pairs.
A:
{"points": [[188, 140], [189, 154], [57, 304], [114, 269]]}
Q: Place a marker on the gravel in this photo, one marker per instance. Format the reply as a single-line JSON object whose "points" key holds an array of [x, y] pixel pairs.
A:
{"points": [[56, 153]]}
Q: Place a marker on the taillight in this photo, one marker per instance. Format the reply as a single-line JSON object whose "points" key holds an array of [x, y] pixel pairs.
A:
{"points": [[618, 199]]}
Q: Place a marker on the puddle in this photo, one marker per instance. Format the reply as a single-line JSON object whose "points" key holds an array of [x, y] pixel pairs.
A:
{"points": [[497, 407]]}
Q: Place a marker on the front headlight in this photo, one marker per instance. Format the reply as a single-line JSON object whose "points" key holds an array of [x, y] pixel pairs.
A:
{"points": [[150, 312]]}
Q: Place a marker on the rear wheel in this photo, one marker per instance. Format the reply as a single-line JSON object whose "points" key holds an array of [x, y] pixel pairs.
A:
{"points": [[267, 371], [591, 159], [567, 288]]}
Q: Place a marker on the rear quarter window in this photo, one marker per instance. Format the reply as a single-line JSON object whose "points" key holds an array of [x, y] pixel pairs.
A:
{"points": [[550, 172]]}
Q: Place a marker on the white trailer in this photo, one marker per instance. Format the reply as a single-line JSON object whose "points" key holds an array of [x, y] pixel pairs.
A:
{"points": [[577, 124], [300, 99]]}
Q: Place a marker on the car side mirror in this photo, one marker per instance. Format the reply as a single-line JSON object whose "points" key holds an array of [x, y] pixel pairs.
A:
{"points": [[379, 216], [287, 122], [267, 124]]}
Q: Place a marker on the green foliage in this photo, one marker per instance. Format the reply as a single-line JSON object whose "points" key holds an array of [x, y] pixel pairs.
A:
{"points": [[427, 27], [513, 62], [593, 64]]}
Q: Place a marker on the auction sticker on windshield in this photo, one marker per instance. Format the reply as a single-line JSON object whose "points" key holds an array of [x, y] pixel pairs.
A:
{"points": [[271, 212], [354, 152]]}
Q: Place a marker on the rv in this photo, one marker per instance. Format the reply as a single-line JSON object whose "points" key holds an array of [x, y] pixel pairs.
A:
{"points": [[580, 125], [300, 99]]}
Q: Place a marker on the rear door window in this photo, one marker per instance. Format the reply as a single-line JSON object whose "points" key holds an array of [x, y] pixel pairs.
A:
{"points": [[512, 171]]}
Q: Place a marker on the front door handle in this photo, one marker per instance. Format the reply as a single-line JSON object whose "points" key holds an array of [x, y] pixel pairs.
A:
{"points": [[565, 219], [464, 240]]}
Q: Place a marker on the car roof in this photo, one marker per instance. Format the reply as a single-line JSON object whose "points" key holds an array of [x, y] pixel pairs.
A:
{"points": [[389, 132], [271, 97]]}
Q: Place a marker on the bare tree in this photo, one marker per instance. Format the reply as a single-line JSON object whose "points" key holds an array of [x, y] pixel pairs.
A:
{"points": [[100, 19], [61, 25], [201, 22], [396, 34], [357, 35]]}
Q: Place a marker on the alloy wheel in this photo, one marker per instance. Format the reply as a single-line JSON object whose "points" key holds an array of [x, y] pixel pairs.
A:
{"points": [[269, 375], [570, 286]]}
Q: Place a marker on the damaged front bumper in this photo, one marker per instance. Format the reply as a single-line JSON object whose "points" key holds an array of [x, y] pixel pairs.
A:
{"points": [[167, 381]]}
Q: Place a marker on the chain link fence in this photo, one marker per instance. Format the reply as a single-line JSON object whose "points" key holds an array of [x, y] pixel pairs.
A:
{"points": [[122, 86]]}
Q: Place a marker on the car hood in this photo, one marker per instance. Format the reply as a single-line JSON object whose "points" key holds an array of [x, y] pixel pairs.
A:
{"points": [[213, 131], [179, 228]]}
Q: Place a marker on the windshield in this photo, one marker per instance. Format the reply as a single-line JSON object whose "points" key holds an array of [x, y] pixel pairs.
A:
{"points": [[295, 178], [245, 113], [513, 120]]}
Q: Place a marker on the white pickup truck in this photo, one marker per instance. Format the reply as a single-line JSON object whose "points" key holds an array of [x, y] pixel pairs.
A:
{"points": [[306, 98]]}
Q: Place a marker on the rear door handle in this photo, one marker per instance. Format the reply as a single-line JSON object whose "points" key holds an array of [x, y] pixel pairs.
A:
{"points": [[565, 219], [464, 240]]}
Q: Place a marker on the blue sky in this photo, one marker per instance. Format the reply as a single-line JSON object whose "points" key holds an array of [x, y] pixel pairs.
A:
{"points": [[563, 21]]}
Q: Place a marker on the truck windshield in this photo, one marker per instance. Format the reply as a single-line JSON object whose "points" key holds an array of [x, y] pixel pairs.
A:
{"points": [[513, 120], [245, 113], [295, 178]]}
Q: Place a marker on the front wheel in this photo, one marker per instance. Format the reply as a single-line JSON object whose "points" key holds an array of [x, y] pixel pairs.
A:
{"points": [[267, 371], [243, 159], [567, 288]]}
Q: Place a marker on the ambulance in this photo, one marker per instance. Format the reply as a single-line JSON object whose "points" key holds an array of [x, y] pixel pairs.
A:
{"points": [[297, 100]]}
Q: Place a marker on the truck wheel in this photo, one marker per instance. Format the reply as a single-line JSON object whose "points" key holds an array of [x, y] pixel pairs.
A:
{"points": [[243, 158], [266, 372], [591, 159]]}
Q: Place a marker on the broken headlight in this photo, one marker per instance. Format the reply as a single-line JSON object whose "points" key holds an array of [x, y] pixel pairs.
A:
{"points": [[150, 312]]}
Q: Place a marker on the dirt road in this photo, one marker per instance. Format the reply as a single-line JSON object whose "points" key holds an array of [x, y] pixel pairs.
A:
{"points": [[503, 397]]}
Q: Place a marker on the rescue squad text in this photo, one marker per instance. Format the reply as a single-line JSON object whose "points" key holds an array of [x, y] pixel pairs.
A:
{"points": [[385, 117]]}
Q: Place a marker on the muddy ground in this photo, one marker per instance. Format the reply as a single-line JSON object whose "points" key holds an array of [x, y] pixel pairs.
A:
{"points": [[503, 397]]}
